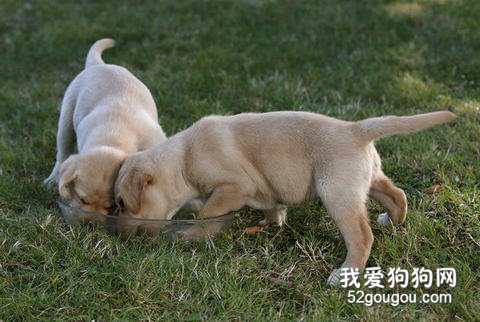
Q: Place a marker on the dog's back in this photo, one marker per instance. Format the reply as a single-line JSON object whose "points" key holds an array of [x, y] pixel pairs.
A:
{"points": [[105, 105], [286, 153]]}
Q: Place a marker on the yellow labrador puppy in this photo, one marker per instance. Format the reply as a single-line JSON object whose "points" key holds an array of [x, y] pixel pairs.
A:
{"points": [[270, 161], [111, 114]]}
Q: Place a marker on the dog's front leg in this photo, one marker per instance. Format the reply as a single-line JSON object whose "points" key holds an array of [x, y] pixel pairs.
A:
{"points": [[224, 199]]}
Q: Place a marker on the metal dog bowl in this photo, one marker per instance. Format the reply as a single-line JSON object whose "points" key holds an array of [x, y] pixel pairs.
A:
{"points": [[174, 229]]}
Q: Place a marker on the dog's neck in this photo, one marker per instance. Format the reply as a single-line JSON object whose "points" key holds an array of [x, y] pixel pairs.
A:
{"points": [[172, 159]]}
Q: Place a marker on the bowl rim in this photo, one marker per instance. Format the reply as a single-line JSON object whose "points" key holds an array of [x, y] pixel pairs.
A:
{"points": [[64, 205]]}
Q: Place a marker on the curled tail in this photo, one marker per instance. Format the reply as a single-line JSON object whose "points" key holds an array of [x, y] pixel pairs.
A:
{"points": [[377, 127], [94, 56]]}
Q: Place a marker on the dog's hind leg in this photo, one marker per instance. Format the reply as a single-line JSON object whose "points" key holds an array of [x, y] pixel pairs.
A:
{"points": [[65, 135], [391, 197], [345, 203]]}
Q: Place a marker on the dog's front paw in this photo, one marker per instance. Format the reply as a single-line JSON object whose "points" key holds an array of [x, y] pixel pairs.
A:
{"points": [[384, 220], [50, 182], [335, 278]]}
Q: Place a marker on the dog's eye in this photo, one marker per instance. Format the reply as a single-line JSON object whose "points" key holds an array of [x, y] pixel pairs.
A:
{"points": [[83, 201]]}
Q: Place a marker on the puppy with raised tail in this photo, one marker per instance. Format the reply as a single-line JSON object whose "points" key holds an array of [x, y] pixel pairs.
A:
{"points": [[270, 161], [109, 114]]}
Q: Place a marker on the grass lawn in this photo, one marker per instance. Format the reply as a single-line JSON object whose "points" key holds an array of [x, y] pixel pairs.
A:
{"points": [[348, 59]]}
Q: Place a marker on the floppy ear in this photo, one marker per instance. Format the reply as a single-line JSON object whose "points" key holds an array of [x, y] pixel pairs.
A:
{"points": [[67, 177], [131, 189]]}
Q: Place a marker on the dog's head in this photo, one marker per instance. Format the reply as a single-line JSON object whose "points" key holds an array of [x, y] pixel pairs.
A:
{"points": [[86, 181], [144, 191]]}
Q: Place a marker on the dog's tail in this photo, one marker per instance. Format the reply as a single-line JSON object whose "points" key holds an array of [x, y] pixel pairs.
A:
{"points": [[94, 56], [378, 127]]}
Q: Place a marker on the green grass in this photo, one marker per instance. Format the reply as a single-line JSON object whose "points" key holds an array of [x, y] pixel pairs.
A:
{"points": [[342, 58]]}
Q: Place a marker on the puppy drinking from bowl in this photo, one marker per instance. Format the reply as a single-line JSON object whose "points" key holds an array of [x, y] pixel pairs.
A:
{"points": [[109, 114], [270, 161]]}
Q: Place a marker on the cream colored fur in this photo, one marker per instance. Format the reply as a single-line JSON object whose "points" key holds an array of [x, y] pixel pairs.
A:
{"points": [[107, 114], [270, 161]]}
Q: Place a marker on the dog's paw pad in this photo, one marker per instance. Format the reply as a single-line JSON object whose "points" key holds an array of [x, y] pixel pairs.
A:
{"points": [[384, 220], [335, 278]]}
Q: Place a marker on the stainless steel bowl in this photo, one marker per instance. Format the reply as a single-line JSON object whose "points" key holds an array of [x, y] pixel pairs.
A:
{"points": [[175, 229]]}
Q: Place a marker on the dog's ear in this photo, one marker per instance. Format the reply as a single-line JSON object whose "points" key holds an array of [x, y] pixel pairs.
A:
{"points": [[67, 177], [132, 186]]}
